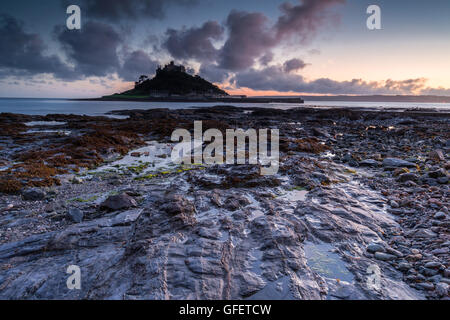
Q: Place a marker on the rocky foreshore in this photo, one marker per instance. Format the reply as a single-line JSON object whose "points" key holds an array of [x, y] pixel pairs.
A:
{"points": [[357, 210]]}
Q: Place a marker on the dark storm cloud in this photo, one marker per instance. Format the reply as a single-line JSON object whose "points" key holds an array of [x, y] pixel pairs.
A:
{"points": [[114, 10], [269, 78], [194, 42], [137, 63], [275, 78], [93, 49], [294, 65], [23, 53], [266, 58], [213, 73], [251, 36], [304, 19]]}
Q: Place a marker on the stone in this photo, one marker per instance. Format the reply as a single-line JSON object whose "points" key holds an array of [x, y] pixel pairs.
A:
{"points": [[447, 273], [442, 289], [33, 194], [75, 215], [425, 286], [394, 204], [397, 163], [135, 154], [436, 155], [440, 251], [384, 256], [432, 265], [118, 202], [442, 180], [320, 133], [437, 174], [407, 177], [439, 215], [429, 272], [178, 205], [435, 279], [369, 163], [375, 247], [77, 180], [404, 266], [394, 252], [424, 233]]}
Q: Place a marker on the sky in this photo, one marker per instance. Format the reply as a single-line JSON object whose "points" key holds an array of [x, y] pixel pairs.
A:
{"points": [[253, 47]]}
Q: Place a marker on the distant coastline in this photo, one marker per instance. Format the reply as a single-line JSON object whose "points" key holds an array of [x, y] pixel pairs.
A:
{"points": [[275, 99], [296, 100], [381, 98]]}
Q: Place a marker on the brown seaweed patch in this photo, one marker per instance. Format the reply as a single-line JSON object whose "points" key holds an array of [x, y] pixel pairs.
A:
{"points": [[10, 186], [311, 145]]}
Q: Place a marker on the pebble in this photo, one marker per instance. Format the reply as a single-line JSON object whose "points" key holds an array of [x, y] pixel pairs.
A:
{"points": [[369, 163], [394, 252], [77, 180], [429, 272], [436, 155], [118, 202], [432, 265], [443, 180], [404, 266], [75, 215], [407, 177], [396, 163], [33, 194], [447, 273], [423, 233], [425, 286], [442, 289], [439, 215], [384, 256], [375, 247], [394, 204]]}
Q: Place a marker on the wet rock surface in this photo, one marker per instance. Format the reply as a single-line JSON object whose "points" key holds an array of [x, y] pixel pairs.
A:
{"points": [[358, 210]]}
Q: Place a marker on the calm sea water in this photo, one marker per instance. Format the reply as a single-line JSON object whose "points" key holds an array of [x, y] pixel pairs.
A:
{"points": [[94, 108]]}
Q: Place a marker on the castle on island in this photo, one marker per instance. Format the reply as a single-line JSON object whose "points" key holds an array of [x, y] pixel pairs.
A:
{"points": [[171, 67], [172, 81]]}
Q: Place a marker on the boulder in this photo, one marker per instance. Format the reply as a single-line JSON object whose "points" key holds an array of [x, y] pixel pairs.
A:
{"points": [[437, 174], [33, 194], [439, 215], [436, 155], [369, 163], [407, 177], [118, 202], [375, 247], [384, 256], [397, 163], [178, 205], [75, 215]]}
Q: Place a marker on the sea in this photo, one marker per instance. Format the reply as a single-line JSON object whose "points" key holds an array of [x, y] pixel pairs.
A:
{"points": [[97, 108]]}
